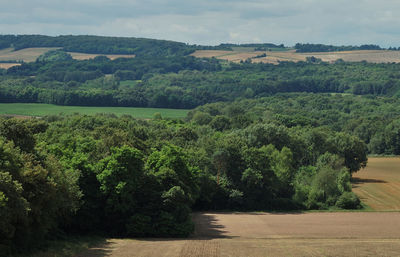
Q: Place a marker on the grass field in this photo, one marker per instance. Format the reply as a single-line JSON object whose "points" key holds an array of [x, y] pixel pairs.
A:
{"points": [[31, 54], [26, 55], [266, 234], [82, 56], [48, 109], [378, 185], [374, 56]]}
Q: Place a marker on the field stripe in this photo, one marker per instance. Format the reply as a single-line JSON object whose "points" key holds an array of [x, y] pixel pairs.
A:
{"points": [[384, 195]]}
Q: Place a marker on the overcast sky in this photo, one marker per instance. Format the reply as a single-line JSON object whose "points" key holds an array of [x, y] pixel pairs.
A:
{"points": [[211, 22]]}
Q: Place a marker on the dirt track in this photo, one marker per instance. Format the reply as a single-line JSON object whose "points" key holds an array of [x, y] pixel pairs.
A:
{"points": [[264, 234]]}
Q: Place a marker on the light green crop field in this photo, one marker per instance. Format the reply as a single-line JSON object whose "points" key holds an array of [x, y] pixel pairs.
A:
{"points": [[49, 109]]}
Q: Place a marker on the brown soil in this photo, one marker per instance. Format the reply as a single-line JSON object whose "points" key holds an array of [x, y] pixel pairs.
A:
{"points": [[378, 185], [374, 56], [8, 65], [266, 234]]}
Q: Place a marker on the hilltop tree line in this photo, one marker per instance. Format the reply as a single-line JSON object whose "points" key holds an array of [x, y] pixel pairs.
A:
{"points": [[99, 44], [126, 177], [307, 48]]}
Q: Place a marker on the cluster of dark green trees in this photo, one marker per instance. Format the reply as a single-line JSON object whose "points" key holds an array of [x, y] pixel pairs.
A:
{"points": [[99, 45], [115, 45], [373, 119], [307, 48], [128, 177]]}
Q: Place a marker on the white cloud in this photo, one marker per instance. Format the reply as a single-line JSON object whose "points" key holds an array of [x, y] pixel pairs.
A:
{"points": [[211, 22]]}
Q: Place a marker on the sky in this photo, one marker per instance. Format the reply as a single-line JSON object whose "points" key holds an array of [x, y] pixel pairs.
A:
{"points": [[211, 22]]}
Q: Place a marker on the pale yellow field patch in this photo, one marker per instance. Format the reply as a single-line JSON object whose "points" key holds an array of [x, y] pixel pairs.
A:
{"points": [[271, 234], [83, 56], [31, 54], [372, 56], [26, 55], [8, 65]]}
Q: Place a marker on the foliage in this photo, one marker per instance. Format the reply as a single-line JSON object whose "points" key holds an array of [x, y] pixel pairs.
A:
{"points": [[370, 122], [36, 196], [305, 48], [185, 81], [98, 44], [125, 177], [54, 56], [348, 200]]}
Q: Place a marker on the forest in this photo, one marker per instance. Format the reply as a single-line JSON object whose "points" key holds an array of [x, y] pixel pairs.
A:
{"points": [[284, 137], [128, 177], [183, 81], [307, 48], [98, 44]]}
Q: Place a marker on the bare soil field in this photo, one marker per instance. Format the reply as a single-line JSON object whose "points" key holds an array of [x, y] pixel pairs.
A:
{"points": [[378, 185], [31, 54], [8, 65], [267, 234], [374, 56]]}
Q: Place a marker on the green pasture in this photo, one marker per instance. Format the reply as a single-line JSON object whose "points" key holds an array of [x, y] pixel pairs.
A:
{"points": [[49, 109]]}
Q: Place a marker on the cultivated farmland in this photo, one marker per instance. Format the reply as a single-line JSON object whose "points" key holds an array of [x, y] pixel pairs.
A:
{"points": [[31, 54], [378, 185], [26, 55], [8, 65], [373, 56], [265, 234]]}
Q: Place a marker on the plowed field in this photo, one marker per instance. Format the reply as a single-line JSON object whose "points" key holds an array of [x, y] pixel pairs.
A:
{"points": [[378, 185], [265, 234], [373, 56]]}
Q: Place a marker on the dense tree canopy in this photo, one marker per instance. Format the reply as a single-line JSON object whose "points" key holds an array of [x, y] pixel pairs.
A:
{"points": [[185, 82], [306, 48], [127, 177], [261, 137], [98, 44]]}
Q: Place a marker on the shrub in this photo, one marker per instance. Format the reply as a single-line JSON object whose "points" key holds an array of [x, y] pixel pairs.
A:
{"points": [[348, 200]]}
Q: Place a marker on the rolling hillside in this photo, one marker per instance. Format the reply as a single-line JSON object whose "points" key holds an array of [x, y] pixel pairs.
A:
{"points": [[274, 57]]}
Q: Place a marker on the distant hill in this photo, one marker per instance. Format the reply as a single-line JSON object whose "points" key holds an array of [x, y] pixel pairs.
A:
{"points": [[99, 45], [308, 48]]}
